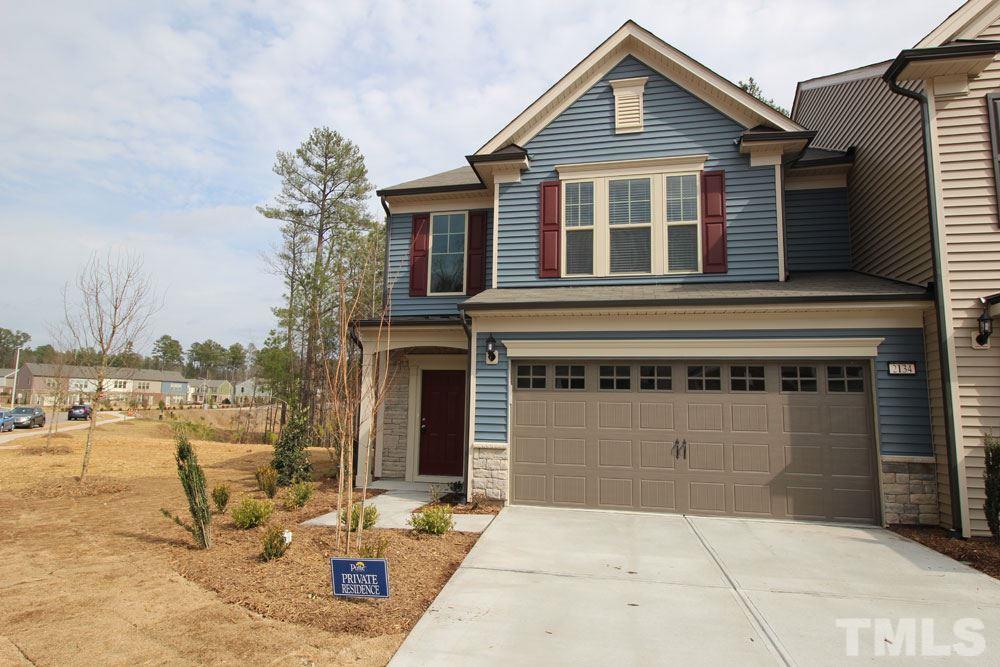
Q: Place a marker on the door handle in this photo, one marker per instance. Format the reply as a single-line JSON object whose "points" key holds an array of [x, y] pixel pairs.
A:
{"points": [[684, 446], [423, 425], [675, 450]]}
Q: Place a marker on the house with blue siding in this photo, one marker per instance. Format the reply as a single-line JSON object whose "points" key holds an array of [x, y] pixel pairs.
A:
{"points": [[641, 294]]}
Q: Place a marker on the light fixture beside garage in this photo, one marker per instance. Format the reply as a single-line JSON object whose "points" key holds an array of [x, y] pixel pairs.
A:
{"points": [[982, 340], [491, 349]]}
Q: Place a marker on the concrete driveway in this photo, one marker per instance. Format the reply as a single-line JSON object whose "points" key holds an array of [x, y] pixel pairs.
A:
{"points": [[554, 586]]}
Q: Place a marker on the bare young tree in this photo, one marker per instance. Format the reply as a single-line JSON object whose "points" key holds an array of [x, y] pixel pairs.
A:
{"points": [[107, 310]]}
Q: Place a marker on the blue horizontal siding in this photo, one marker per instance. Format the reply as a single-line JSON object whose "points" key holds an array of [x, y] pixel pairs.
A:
{"points": [[675, 123], [816, 230], [903, 404], [398, 277]]}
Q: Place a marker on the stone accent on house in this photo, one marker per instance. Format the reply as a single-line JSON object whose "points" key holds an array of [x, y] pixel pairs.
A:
{"points": [[489, 471], [395, 417], [909, 492]]}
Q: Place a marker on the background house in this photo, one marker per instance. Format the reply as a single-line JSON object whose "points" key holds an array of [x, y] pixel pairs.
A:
{"points": [[212, 392], [251, 391], [43, 384]]}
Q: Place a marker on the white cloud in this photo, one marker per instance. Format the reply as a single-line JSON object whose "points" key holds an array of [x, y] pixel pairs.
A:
{"points": [[155, 124]]}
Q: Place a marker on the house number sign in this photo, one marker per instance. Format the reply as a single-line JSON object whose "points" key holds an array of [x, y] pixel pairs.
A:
{"points": [[902, 368]]}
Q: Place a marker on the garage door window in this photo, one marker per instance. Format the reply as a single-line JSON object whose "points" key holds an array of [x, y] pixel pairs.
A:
{"points": [[704, 378], [747, 378], [570, 377], [616, 378], [798, 378], [845, 379], [530, 376], [655, 378]]}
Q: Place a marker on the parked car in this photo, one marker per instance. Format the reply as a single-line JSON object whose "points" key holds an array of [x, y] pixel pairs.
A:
{"points": [[6, 421], [29, 417], [79, 412]]}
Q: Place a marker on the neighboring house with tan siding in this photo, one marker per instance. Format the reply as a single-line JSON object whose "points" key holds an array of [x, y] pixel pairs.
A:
{"points": [[930, 109]]}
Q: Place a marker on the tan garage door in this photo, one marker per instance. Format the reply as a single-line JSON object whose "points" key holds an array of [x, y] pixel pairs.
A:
{"points": [[785, 440]]}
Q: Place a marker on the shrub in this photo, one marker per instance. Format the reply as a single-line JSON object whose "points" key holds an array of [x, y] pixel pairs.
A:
{"points": [[251, 512], [371, 516], [374, 547], [298, 495], [193, 480], [220, 496], [435, 520], [991, 476], [267, 480], [274, 544], [190, 429], [290, 458]]}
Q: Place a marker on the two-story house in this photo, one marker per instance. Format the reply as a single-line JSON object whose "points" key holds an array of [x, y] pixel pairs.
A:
{"points": [[642, 294], [925, 130]]}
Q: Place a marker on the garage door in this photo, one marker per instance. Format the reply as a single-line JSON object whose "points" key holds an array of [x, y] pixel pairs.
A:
{"points": [[773, 439]]}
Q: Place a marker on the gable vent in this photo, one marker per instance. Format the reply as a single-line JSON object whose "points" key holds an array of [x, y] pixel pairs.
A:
{"points": [[628, 104]]}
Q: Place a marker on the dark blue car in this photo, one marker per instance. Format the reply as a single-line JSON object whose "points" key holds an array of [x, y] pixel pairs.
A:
{"points": [[6, 421]]}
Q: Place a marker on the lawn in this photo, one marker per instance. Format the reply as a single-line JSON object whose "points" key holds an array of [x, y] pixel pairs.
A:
{"points": [[95, 571]]}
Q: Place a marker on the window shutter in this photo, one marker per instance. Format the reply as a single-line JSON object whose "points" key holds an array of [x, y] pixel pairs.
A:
{"points": [[993, 111], [548, 249], [476, 259], [419, 243], [713, 219]]}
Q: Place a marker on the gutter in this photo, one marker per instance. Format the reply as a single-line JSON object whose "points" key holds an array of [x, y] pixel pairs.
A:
{"points": [[940, 300], [468, 403]]}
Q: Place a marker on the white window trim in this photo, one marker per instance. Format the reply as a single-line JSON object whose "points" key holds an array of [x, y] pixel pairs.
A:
{"points": [[658, 224], [430, 253]]}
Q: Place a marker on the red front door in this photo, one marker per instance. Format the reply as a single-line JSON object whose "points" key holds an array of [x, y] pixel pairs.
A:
{"points": [[442, 422]]}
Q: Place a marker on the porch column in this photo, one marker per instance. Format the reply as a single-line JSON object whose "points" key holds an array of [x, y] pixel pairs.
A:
{"points": [[365, 415]]}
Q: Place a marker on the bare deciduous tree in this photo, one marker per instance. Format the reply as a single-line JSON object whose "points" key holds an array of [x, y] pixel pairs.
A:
{"points": [[107, 310]]}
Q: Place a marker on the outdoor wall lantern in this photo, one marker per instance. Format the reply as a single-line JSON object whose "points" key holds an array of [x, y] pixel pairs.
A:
{"points": [[491, 349], [985, 326]]}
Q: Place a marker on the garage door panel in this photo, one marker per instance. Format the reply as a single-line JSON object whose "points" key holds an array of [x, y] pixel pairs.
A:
{"points": [[751, 451]]}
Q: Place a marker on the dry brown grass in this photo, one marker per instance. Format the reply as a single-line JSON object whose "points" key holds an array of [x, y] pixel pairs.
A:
{"points": [[95, 573]]}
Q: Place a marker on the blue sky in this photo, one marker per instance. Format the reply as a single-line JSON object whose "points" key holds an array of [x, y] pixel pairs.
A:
{"points": [[153, 126]]}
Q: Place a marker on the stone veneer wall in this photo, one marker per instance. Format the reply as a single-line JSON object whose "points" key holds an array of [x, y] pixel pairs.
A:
{"points": [[489, 471], [395, 417], [909, 491]]}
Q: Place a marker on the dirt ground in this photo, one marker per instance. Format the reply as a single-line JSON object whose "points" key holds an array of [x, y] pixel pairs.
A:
{"points": [[95, 573], [978, 552]]}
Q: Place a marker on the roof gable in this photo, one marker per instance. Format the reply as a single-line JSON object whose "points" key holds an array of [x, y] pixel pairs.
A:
{"points": [[632, 39], [966, 22]]}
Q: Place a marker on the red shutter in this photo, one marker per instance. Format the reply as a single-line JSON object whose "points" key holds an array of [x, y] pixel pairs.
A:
{"points": [[713, 217], [419, 243], [476, 260], [548, 249]]}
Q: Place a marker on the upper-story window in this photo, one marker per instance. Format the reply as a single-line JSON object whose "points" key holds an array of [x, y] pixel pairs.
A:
{"points": [[447, 253], [634, 224]]}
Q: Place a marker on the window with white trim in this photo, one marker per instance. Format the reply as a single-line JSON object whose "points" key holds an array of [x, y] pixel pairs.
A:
{"points": [[570, 377], [655, 378], [530, 376], [634, 224], [845, 379], [447, 253], [615, 378], [579, 228], [798, 378]]}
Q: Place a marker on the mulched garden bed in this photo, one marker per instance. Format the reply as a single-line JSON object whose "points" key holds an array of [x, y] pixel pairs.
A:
{"points": [[978, 552], [456, 501]]}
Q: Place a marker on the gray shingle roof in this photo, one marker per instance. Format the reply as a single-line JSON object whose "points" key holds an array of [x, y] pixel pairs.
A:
{"points": [[54, 370], [800, 288], [461, 178]]}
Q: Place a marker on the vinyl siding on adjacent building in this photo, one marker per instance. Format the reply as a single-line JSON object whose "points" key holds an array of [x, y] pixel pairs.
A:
{"points": [[890, 235], [903, 406], [400, 233], [972, 249], [817, 234], [676, 123]]}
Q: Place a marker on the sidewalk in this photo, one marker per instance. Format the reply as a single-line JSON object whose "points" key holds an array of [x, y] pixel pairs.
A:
{"points": [[61, 427]]}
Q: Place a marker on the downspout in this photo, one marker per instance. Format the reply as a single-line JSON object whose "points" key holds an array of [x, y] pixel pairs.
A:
{"points": [[468, 403], [940, 307]]}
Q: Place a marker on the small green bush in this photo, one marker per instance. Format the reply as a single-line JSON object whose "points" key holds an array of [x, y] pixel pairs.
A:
{"points": [[274, 545], [371, 516], [434, 520], [298, 495], [267, 480], [290, 457], [374, 547], [220, 496], [195, 430], [991, 479], [251, 512]]}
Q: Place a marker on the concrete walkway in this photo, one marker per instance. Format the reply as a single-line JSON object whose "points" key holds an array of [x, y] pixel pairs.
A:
{"points": [[398, 503], [554, 586], [18, 434]]}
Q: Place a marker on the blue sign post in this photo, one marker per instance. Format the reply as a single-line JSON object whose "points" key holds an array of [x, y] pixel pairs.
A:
{"points": [[360, 577]]}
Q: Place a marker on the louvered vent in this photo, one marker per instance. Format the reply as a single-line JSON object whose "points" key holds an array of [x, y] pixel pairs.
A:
{"points": [[628, 104]]}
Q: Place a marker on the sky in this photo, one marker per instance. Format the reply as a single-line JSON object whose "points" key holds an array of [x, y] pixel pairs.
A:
{"points": [[152, 126]]}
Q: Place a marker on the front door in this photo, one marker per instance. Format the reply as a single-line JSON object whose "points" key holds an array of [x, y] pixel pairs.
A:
{"points": [[442, 423]]}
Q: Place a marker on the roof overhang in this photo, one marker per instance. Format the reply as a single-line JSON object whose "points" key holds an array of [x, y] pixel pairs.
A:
{"points": [[632, 39], [967, 59], [771, 147], [502, 167], [968, 21]]}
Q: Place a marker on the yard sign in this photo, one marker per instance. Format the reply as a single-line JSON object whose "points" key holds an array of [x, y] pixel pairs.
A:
{"points": [[360, 577]]}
